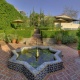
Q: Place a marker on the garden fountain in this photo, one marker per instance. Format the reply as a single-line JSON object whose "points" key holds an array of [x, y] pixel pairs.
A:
{"points": [[35, 62]]}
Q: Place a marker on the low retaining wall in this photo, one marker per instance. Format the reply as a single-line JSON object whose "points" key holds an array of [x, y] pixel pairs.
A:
{"points": [[48, 41], [25, 41]]}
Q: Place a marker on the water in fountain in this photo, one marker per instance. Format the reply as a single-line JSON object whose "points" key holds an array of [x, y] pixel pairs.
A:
{"points": [[36, 58]]}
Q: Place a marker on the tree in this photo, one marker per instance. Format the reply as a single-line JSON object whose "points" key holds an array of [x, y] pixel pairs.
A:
{"points": [[25, 19], [23, 13], [41, 16], [70, 12], [49, 21], [37, 19], [34, 19]]}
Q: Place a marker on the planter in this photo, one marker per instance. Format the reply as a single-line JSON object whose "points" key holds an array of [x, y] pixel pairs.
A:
{"points": [[79, 52], [17, 42], [14, 41], [59, 42]]}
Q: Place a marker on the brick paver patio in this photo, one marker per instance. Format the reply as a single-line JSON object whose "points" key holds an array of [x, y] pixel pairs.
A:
{"points": [[70, 59]]}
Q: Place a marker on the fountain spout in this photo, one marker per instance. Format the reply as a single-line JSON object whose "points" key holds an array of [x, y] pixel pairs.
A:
{"points": [[37, 54]]}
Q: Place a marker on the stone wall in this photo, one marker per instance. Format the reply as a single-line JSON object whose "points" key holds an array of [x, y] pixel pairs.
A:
{"points": [[45, 41], [26, 41], [70, 26], [48, 41]]}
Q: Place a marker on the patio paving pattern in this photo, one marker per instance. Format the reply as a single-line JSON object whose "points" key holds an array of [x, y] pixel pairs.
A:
{"points": [[70, 58]]}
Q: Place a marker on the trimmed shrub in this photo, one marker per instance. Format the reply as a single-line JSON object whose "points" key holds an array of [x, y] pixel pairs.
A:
{"points": [[25, 33], [2, 35], [68, 39], [45, 28], [47, 34]]}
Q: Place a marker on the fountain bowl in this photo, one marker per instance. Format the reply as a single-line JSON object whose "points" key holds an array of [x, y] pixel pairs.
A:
{"points": [[39, 72]]}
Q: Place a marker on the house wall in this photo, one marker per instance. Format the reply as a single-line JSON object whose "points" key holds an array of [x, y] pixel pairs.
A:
{"points": [[71, 26]]}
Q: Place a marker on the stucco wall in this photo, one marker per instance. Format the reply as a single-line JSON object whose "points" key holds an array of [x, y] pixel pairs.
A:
{"points": [[71, 26]]}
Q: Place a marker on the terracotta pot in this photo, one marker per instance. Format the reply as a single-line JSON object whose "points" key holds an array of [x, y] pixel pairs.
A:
{"points": [[14, 41], [59, 42], [17, 42], [79, 52]]}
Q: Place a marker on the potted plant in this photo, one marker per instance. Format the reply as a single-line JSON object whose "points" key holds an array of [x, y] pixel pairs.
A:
{"points": [[6, 39], [2, 36], [14, 39], [58, 38], [78, 48], [19, 38], [78, 35], [9, 36]]}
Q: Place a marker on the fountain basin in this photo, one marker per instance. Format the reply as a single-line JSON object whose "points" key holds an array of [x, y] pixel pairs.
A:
{"points": [[39, 72]]}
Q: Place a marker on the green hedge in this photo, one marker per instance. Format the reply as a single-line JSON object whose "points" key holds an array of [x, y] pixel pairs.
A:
{"points": [[26, 33], [66, 39], [51, 34], [47, 34], [45, 28], [68, 36], [1, 31], [72, 32]]}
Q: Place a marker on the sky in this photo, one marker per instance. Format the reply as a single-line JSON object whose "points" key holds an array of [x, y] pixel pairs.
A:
{"points": [[49, 7]]}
